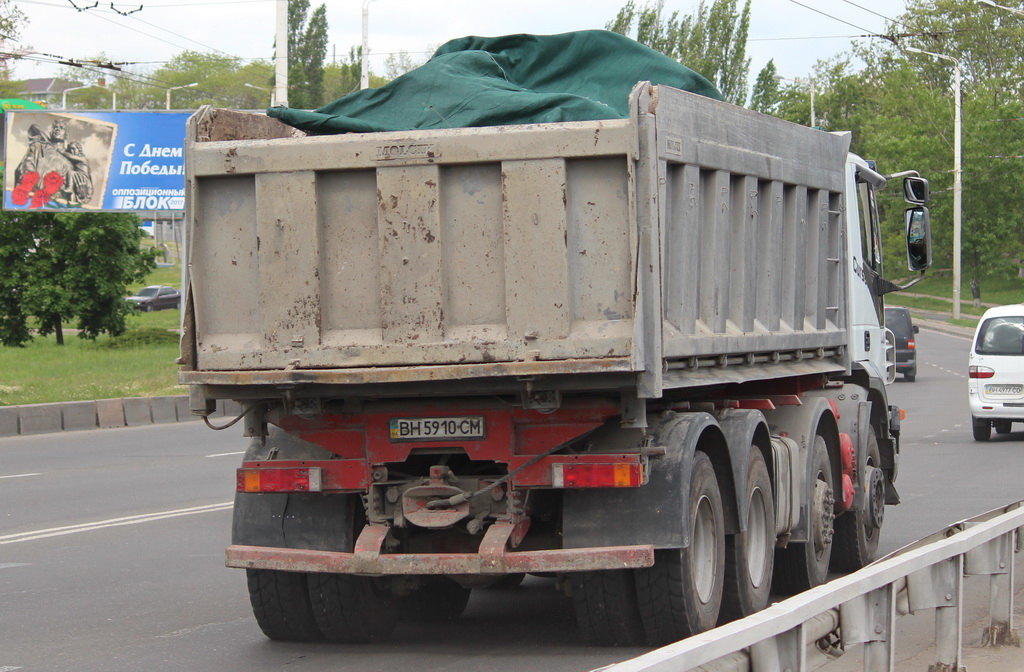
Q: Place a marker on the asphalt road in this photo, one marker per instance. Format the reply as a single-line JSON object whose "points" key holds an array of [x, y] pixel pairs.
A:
{"points": [[111, 550]]}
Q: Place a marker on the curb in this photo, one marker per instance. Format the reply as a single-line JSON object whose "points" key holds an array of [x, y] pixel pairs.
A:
{"points": [[944, 328], [70, 416]]}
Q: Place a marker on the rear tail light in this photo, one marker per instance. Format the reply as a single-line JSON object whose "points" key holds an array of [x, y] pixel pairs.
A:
{"points": [[911, 345], [980, 372], [286, 479], [622, 475]]}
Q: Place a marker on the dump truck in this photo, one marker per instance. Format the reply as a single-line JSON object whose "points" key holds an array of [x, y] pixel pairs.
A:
{"points": [[644, 357]]}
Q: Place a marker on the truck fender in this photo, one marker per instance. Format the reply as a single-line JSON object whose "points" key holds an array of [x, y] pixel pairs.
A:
{"points": [[800, 423], [282, 520], [655, 513], [742, 429], [854, 405]]}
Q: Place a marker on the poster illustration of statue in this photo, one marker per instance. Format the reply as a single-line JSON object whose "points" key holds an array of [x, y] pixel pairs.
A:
{"points": [[58, 161]]}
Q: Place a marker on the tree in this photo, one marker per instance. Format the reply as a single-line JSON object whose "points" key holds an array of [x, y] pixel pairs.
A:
{"points": [[11, 21], [913, 125], [712, 42], [765, 97], [58, 267], [307, 49], [342, 78], [396, 65]]}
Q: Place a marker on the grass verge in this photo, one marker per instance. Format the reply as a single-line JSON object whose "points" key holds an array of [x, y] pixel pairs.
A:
{"points": [[139, 363]]}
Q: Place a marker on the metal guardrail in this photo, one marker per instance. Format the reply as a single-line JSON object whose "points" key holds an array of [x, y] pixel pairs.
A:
{"points": [[862, 608]]}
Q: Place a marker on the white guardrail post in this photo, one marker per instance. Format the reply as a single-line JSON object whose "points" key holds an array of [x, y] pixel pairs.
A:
{"points": [[862, 608]]}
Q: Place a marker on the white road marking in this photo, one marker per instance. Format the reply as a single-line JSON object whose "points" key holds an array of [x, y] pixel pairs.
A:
{"points": [[240, 452], [10, 565], [19, 476], [113, 522]]}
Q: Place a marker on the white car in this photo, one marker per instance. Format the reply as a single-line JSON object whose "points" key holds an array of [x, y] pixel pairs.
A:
{"points": [[996, 371]]}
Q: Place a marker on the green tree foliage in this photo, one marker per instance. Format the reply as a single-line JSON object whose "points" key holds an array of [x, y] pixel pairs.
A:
{"points": [[342, 78], [396, 65], [765, 96], [307, 49], [59, 268], [911, 124], [713, 41]]}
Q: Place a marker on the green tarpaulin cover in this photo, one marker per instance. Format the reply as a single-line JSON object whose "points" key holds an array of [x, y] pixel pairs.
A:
{"points": [[515, 79]]}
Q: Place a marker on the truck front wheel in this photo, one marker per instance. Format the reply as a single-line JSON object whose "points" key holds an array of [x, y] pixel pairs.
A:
{"points": [[856, 541], [280, 603], [681, 595], [437, 601]]}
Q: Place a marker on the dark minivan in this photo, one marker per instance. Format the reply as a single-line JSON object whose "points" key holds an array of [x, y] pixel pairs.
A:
{"points": [[898, 321]]}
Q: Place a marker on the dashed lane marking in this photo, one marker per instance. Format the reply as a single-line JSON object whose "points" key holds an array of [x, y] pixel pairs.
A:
{"points": [[112, 522]]}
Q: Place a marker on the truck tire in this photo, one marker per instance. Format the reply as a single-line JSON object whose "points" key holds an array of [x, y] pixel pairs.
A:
{"points": [[606, 608], [280, 603], [681, 595], [352, 609], [437, 600], [856, 537], [801, 566], [750, 555], [982, 429]]}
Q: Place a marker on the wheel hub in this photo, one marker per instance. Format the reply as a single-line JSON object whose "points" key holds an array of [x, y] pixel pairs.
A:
{"points": [[823, 516], [876, 496]]}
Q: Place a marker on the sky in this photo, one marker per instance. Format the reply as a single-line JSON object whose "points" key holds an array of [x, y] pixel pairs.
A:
{"points": [[795, 33]]}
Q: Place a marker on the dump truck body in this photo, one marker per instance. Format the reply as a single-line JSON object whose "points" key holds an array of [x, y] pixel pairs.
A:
{"points": [[635, 345]]}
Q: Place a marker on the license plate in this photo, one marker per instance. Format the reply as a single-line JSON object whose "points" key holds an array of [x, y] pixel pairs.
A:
{"points": [[437, 429], [1003, 389]]}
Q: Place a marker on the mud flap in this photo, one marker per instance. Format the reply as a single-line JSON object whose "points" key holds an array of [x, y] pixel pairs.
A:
{"points": [[652, 514]]}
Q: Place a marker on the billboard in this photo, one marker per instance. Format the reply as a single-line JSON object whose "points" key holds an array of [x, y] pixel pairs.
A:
{"points": [[94, 161]]}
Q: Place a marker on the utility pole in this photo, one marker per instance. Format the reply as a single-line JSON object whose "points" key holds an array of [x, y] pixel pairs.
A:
{"points": [[280, 96]]}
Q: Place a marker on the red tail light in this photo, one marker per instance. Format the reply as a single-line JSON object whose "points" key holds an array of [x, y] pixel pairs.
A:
{"points": [[623, 475], [298, 479], [980, 372], [911, 345]]}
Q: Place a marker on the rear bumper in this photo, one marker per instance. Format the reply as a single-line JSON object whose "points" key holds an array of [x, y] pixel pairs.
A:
{"points": [[493, 558], [994, 410]]}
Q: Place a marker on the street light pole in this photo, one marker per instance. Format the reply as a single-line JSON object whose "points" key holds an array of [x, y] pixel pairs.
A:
{"points": [[364, 68], [64, 94], [260, 88], [989, 3], [175, 88], [280, 96], [810, 85], [957, 172]]}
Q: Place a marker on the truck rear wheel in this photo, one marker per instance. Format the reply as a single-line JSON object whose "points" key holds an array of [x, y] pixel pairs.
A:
{"points": [[280, 603], [681, 595], [606, 608], [352, 609], [801, 566], [750, 555], [856, 540]]}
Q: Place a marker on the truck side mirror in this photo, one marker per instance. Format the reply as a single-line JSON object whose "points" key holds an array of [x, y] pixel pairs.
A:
{"points": [[919, 238], [915, 190]]}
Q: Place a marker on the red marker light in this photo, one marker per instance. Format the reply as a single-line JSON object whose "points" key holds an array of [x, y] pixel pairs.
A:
{"points": [[623, 475], [295, 479]]}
